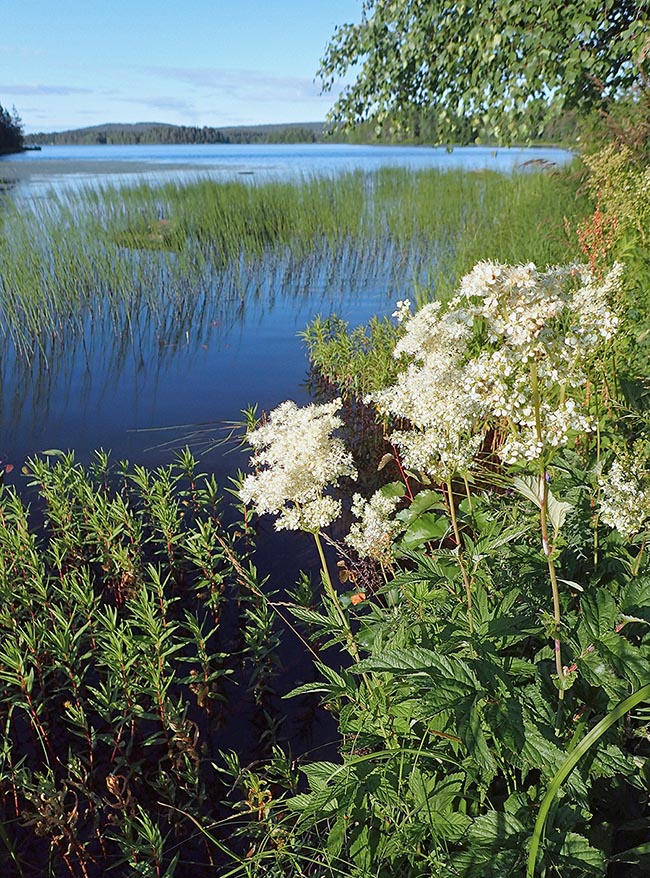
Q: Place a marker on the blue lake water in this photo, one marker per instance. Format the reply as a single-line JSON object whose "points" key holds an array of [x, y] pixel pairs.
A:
{"points": [[140, 394], [70, 166]]}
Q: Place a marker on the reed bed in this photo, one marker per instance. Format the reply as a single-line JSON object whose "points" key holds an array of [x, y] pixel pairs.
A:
{"points": [[116, 257]]}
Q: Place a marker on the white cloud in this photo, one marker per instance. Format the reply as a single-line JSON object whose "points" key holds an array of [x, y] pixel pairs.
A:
{"points": [[242, 85], [40, 89]]}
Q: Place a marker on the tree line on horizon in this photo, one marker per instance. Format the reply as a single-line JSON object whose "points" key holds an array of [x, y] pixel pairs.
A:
{"points": [[11, 131], [422, 127], [179, 134]]}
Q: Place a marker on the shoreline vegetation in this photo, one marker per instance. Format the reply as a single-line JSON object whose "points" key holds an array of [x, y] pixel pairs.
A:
{"points": [[473, 475], [438, 567], [72, 256], [134, 618]]}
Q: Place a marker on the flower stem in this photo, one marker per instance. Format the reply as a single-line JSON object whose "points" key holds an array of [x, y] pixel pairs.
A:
{"points": [[557, 610], [637, 563], [461, 562], [353, 649], [546, 543]]}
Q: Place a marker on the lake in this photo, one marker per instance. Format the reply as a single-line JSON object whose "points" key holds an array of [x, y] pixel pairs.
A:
{"points": [[140, 394], [34, 172]]}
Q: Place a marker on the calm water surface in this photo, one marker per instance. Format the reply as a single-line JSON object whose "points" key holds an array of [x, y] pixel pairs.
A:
{"points": [[34, 172], [141, 394]]}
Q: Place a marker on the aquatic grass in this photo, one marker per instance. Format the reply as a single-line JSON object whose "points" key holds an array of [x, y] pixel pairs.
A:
{"points": [[165, 256]]}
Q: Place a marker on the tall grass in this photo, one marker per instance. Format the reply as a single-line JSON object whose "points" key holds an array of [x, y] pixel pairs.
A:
{"points": [[167, 253]]}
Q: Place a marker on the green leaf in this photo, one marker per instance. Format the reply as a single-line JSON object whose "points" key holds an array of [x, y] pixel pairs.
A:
{"points": [[470, 729], [495, 829], [599, 615], [635, 599], [557, 511], [577, 853], [428, 526], [627, 660], [532, 488], [529, 487]]}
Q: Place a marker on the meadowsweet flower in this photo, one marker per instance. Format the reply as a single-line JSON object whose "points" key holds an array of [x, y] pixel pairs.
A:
{"points": [[625, 497], [431, 394], [296, 458], [373, 534], [511, 347], [402, 310]]}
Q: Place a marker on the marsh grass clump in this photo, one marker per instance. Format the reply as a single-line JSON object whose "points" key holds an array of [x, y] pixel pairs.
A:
{"points": [[103, 257]]}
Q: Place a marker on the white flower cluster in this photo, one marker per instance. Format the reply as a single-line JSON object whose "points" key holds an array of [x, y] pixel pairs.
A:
{"points": [[431, 394], [625, 498], [296, 458], [542, 324], [372, 535], [536, 330]]}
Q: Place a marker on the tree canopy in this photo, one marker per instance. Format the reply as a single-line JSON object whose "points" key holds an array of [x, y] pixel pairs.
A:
{"points": [[508, 68], [11, 131]]}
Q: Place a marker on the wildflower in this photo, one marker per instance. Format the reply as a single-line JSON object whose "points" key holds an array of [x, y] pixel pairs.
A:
{"points": [[431, 393], [402, 310], [373, 534], [512, 346], [625, 497], [296, 458]]}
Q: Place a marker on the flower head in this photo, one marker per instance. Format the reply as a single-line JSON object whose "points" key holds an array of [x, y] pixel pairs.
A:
{"points": [[296, 458], [625, 497], [372, 535]]}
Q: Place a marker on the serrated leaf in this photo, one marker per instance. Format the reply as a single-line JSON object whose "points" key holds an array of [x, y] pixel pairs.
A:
{"points": [[308, 688], [428, 526], [424, 501], [311, 617], [599, 614], [635, 599], [470, 729], [495, 829], [393, 489], [528, 487], [533, 489], [576, 852], [627, 660]]}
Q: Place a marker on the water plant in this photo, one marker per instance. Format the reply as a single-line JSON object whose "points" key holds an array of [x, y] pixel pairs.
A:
{"points": [[168, 256]]}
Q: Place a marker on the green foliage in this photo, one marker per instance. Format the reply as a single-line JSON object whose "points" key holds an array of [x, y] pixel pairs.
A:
{"points": [[447, 755], [11, 131], [113, 661], [480, 65]]}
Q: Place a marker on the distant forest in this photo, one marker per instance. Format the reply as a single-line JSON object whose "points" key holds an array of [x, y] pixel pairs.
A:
{"points": [[421, 129], [155, 132]]}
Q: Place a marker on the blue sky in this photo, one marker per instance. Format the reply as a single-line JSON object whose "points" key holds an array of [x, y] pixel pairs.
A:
{"points": [[71, 63]]}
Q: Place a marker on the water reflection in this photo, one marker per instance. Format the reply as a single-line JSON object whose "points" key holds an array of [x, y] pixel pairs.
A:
{"points": [[194, 360]]}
